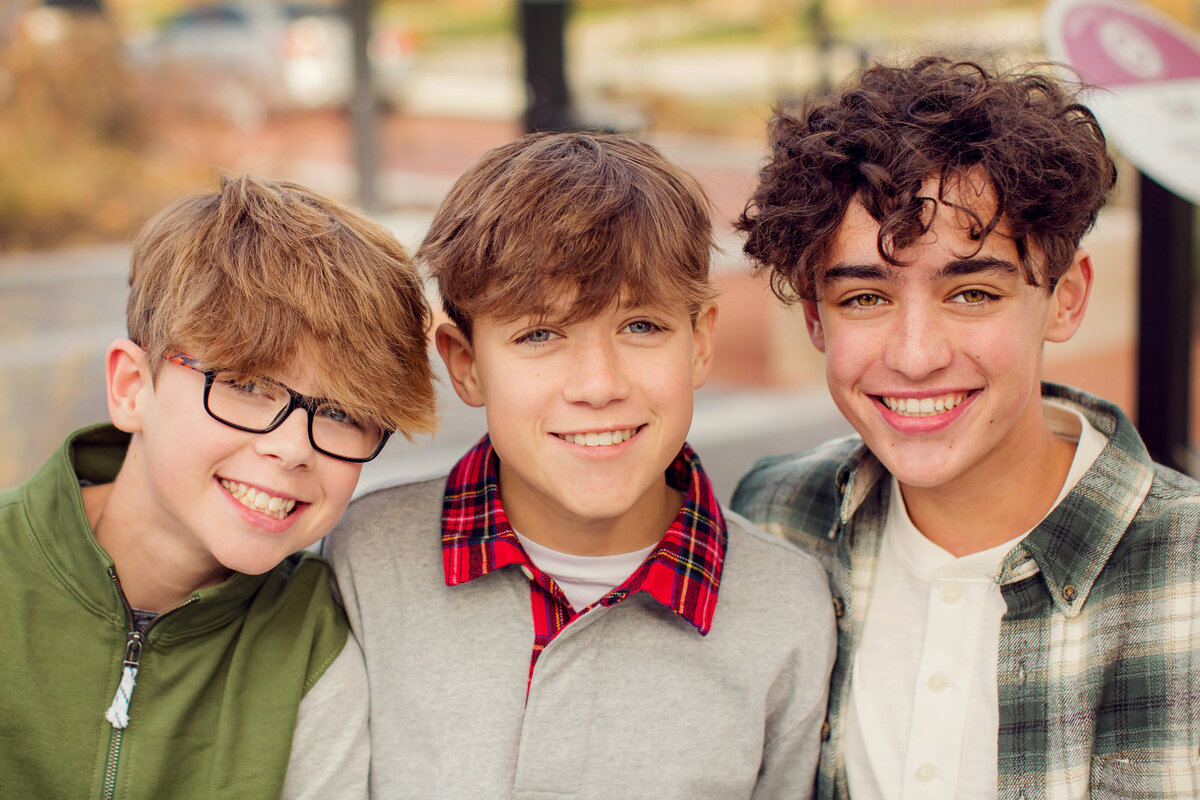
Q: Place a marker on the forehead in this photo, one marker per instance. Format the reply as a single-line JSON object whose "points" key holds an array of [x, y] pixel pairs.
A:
{"points": [[570, 307], [951, 238]]}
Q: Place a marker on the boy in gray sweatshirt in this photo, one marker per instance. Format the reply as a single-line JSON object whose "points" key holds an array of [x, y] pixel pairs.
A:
{"points": [[571, 612]]}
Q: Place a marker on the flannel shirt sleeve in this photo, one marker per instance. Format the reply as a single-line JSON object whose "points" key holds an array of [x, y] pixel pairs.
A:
{"points": [[796, 497]]}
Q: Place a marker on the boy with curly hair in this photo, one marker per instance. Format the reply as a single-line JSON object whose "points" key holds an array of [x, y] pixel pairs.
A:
{"points": [[1017, 583], [570, 612], [163, 635]]}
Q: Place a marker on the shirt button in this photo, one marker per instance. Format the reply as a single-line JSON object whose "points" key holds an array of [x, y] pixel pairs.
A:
{"points": [[825, 731], [839, 607], [951, 594], [528, 572], [938, 683], [926, 773]]}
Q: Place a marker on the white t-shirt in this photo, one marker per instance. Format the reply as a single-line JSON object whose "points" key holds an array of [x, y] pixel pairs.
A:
{"points": [[923, 714], [584, 579]]}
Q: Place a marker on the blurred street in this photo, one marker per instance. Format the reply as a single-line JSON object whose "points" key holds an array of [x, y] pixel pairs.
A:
{"points": [[703, 104], [59, 310]]}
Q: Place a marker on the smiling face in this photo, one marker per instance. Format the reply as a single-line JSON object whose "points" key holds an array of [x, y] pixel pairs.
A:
{"points": [[585, 416], [937, 363], [239, 501]]}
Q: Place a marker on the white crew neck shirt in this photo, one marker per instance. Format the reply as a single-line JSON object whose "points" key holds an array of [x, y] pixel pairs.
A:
{"points": [[584, 579], [922, 720]]}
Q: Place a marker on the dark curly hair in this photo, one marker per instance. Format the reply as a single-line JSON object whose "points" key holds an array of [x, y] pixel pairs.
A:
{"points": [[894, 127]]}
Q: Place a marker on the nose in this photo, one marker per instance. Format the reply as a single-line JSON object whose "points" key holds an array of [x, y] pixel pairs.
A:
{"points": [[917, 345], [289, 443], [599, 377]]}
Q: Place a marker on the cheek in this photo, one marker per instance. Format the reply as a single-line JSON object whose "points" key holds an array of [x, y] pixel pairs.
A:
{"points": [[339, 482], [1009, 351], [847, 357]]}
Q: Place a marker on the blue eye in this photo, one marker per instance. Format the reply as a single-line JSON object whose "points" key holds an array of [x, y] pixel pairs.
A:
{"points": [[642, 326], [240, 384], [539, 336], [337, 415]]}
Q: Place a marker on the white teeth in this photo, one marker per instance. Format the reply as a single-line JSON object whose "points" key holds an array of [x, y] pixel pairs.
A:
{"points": [[271, 505], [599, 439], [925, 406]]}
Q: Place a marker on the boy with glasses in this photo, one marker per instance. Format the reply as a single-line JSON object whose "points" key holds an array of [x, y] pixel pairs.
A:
{"points": [[164, 636]]}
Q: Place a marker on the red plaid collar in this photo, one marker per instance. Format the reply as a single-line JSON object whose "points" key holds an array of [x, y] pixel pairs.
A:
{"points": [[683, 572]]}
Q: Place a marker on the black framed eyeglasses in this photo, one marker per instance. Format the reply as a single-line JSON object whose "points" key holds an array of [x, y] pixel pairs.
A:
{"points": [[257, 404]]}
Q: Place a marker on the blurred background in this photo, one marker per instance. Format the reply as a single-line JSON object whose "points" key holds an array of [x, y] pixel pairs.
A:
{"points": [[111, 108]]}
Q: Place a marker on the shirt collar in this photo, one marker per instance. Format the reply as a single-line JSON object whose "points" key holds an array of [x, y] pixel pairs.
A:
{"points": [[1073, 543], [683, 572]]}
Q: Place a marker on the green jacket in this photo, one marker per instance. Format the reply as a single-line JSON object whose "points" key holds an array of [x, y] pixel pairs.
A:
{"points": [[219, 681]]}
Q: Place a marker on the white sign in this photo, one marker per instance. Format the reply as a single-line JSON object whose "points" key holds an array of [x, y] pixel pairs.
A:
{"points": [[1146, 70]]}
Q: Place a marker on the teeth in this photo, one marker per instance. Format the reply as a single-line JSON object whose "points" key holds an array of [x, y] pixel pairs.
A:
{"points": [[925, 406], [277, 507], [599, 439]]}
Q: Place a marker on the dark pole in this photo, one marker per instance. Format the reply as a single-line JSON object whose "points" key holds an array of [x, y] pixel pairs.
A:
{"points": [[543, 32], [1165, 323], [364, 107]]}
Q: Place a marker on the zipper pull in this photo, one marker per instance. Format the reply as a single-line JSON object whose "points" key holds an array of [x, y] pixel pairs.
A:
{"points": [[118, 712]]}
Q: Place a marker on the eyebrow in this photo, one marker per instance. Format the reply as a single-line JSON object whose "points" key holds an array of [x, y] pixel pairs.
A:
{"points": [[955, 269], [973, 266]]}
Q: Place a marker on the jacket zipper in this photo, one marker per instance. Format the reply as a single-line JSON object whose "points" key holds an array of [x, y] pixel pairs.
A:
{"points": [[118, 712]]}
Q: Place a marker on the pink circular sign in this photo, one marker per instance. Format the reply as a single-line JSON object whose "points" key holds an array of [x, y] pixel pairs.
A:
{"points": [[1143, 69], [1112, 46]]}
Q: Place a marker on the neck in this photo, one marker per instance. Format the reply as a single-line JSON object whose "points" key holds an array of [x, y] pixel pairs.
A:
{"points": [[987, 507], [640, 526], [157, 573]]}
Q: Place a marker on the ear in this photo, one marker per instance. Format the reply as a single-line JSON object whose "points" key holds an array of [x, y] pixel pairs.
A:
{"points": [[702, 344], [1070, 299], [129, 384], [457, 352], [812, 322]]}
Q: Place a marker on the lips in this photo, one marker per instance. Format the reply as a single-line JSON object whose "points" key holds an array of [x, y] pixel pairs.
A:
{"points": [[599, 438], [258, 500], [923, 406]]}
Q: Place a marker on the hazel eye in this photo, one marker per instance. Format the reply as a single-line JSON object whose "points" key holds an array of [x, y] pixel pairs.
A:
{"points": [[865, 300], [973, 297]]}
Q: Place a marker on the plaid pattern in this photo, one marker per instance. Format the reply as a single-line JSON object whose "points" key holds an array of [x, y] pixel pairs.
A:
{"points": [[683, 572], [1099, 660]]}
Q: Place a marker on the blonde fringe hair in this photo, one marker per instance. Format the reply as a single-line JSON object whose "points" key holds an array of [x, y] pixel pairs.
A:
{"points": [[259, 274], [589, 219]]}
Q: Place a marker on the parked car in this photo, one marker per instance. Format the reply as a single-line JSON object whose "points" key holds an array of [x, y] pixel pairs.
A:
{"points": [[269, 56]]}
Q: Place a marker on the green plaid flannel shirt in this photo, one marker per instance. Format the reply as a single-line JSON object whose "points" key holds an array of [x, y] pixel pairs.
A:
{"points": [[1099, 663]]}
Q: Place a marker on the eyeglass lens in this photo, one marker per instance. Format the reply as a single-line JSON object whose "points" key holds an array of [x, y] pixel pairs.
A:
{"points": [[257, 403]]}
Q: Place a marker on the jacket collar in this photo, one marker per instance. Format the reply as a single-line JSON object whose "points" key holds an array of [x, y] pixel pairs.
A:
{"points": [[70, 552]]}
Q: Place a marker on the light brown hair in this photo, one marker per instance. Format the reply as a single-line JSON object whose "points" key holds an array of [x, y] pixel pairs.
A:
{"points": [[581, 218], [258, 274], [878, 140]]}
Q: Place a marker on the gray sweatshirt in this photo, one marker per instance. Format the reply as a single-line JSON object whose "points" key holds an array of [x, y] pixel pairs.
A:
{"points": [[628, 701]]}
